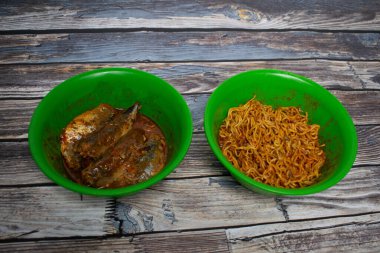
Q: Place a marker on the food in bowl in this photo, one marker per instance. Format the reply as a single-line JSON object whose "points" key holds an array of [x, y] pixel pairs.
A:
{"points": [[106, 147], [273, 146], [120, 88], [283, 89]]}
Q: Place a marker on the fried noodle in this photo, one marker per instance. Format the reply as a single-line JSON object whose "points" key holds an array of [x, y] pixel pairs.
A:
{"points": [[276, 147]]}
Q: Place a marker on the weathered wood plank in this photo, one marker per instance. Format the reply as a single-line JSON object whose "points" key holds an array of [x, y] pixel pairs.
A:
{"points": [[193, 204], [18, 168], [313, 14], [180, 46], [199, 160], [17, 165], [344, 234], [359, 233], [211, 202], [198, 241], [50, 212], [172, 205], [360, 186], [12, 113], [15, 114], [368, 147], [27, 81], [368, 73], [361, 105]]}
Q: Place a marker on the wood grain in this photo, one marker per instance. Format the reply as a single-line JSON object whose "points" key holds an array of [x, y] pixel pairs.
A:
{"points": [[360, 186], [175, 205], [18, 168], [211, 202], [49, 212], [359, 233], [197, 241], [171, 205], [368, 73], [194, 45], [15, 114], [343, 234], [270, 14], [361, 105], [180, 46], [368, 136], [12, 113], [17, 165], [35, 81], [193, 204]]}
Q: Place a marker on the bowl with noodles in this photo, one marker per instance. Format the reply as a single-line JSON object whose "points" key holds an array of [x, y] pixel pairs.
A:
{"points": [[280, 133]]}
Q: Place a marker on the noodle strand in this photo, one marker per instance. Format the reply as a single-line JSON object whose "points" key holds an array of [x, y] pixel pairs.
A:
{"points": [[275, 147]]}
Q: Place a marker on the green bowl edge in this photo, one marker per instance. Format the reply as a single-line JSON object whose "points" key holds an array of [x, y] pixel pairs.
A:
{"points": [[118, 192], [264, 188]]}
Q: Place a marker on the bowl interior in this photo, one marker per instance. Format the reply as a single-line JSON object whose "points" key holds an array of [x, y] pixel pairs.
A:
{"points": [[279, 88], [120, 88]]}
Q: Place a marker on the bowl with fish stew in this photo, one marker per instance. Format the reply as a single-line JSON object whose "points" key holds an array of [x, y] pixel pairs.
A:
{"points": [[280, 133], [110, 132]]}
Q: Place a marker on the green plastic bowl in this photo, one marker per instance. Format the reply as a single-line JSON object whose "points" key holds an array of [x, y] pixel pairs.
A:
{"points": [[279, 88], [119, 87]]}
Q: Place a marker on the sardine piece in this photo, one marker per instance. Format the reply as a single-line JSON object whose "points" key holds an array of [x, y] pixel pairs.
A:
{"points": [[134, 159], [153, 160], [117, 167], [81, 127], [95, 145]]}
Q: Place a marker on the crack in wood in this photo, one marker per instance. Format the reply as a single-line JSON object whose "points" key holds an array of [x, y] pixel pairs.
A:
{"points": [[222, 182], [110, 217], [147, 221], [167, 207], [250, 238], [128, 220], [356, 75], [128, 224], [282, 207], [376, 78], [18, 235]]}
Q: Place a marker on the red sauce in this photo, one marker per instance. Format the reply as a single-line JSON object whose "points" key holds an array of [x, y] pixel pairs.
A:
{"points": [[137, 153]]}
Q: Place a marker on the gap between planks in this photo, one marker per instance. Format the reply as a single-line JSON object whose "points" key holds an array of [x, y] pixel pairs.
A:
{"points": [[226, 240], [177, 205], [26, 81], [180, 46], [173, 30]]}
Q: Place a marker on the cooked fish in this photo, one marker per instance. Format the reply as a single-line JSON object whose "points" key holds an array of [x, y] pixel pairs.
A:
{"points": [[135, 158], [153, 159], [111, 148], [95, 145], [118, 166], [81, 127]]}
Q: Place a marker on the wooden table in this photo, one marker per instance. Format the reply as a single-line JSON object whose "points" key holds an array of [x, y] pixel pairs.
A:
{"points": [[194, 45]]}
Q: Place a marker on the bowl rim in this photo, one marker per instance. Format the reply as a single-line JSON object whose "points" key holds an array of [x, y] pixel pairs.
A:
{"points": [[241, 177], [52, 174]]}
